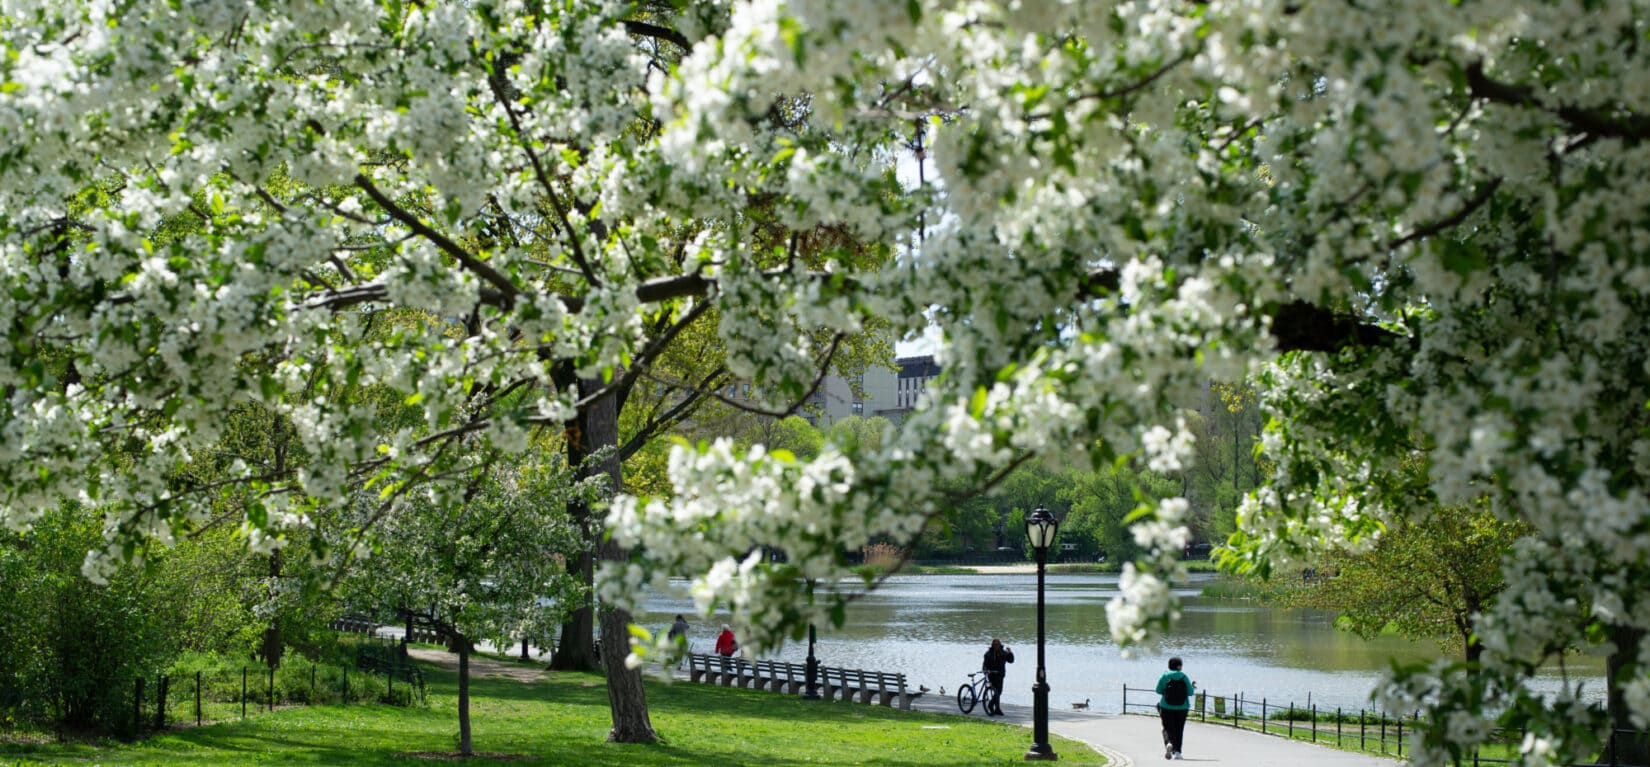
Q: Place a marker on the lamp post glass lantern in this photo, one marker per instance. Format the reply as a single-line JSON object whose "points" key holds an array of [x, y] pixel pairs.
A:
{"points": [[1041, 530]]}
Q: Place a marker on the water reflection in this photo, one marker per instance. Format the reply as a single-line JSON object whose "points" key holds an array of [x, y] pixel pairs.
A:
{"points": [[935, 628]]}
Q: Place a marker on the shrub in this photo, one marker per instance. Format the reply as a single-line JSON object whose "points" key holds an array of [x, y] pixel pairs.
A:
{"points": [[883, 556]]}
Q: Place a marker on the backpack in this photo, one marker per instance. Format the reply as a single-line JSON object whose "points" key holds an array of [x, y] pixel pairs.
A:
{"points": [[1174, 692]]}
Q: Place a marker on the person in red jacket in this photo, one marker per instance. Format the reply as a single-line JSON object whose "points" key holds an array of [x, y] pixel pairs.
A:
{"points": [[726, 645]]}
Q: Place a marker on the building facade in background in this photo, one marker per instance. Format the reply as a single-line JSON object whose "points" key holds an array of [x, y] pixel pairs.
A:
{"points": [[890, 394]]}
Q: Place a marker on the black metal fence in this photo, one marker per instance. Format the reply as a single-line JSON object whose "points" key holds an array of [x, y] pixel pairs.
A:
{"points": [[1364, 730], [223, 693]]}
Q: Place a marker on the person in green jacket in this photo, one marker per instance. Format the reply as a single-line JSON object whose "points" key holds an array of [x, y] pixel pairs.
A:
{"points": [[1174, 690]]}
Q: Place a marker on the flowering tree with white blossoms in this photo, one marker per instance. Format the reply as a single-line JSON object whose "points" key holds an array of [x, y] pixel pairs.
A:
{"points": [[344, 213], [1420, 222], [480, 569]]}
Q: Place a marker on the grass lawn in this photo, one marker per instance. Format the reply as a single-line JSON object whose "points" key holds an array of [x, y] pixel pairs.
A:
{"points": [[562, 719]]}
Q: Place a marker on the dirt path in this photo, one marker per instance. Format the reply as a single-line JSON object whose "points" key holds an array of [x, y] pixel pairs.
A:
{"points": [[481, 668]]}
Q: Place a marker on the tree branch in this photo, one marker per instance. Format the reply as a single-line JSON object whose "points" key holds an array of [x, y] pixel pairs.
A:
{"points": [[1484, 194], [1296, 325], [675, 414], [823, 364], [480, 268], [1618, 123], [644, 29], [1301, 326], [577, 250]]}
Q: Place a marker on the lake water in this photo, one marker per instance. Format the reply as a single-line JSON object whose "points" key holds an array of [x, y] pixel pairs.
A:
{"points": [[935, 628]]}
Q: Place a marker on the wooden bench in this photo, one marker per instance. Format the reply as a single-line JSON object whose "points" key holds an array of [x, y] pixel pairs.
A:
{"points": [[789, 677], [742, 673], [713, 669], [889, 688], [840, 683], [353, 624], [880, 687], [699, 669], [763, 674]]}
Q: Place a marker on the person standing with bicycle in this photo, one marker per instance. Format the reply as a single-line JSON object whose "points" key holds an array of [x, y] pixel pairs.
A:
{"points": [[996, 668]]}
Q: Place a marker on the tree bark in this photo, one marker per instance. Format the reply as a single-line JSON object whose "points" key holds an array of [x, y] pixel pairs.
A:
{"points": [[272, 647], [1630, 747], [465, 745], [626, 698], [577, 649]]}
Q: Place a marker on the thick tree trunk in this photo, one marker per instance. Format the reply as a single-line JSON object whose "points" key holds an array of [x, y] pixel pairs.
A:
{"points": [[465, 746], [272, 647], [577, 649], [1630, 747], [626, 697]]}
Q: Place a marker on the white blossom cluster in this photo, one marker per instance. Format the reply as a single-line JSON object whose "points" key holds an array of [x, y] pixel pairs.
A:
{"points": [[389, 233]]}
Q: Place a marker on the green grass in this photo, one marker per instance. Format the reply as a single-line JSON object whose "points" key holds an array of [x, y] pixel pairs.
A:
{"points": [[1113, 566], [874, 571], [564, 721]]}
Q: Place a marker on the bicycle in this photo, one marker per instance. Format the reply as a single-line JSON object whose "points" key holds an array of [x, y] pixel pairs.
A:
{"points": [[978, 689]]}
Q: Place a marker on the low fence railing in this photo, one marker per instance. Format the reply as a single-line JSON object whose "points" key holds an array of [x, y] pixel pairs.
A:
{"points": [[222, 693], [1366, 730]]}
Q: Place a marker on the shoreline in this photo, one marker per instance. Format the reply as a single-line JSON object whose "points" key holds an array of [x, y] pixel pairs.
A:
{"points": [[1026, 569]]}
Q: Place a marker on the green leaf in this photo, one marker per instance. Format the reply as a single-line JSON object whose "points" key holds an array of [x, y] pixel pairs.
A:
{"points": [[1462, 259], [791, 33], [1138, 513]]}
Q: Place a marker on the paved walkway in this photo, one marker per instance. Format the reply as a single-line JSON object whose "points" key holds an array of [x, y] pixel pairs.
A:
{"points": [[1136, 740]]}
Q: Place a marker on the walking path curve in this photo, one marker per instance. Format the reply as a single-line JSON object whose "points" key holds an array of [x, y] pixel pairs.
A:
{"points": [[1135, 741]]}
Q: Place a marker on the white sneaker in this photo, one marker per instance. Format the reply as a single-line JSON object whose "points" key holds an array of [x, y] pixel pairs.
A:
{"points": [[1178, 756], [1168, 751]]}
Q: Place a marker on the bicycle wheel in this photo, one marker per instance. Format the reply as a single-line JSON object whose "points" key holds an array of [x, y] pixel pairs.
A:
{"points": [[965, 698]]}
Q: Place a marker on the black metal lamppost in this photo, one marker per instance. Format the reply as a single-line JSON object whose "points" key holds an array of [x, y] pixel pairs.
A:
{"points": [[1041, 529], [810, 672]]}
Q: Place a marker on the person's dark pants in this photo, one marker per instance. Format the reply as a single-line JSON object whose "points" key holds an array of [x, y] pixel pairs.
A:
{"points": [[1174, 725], [994, 680]]}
